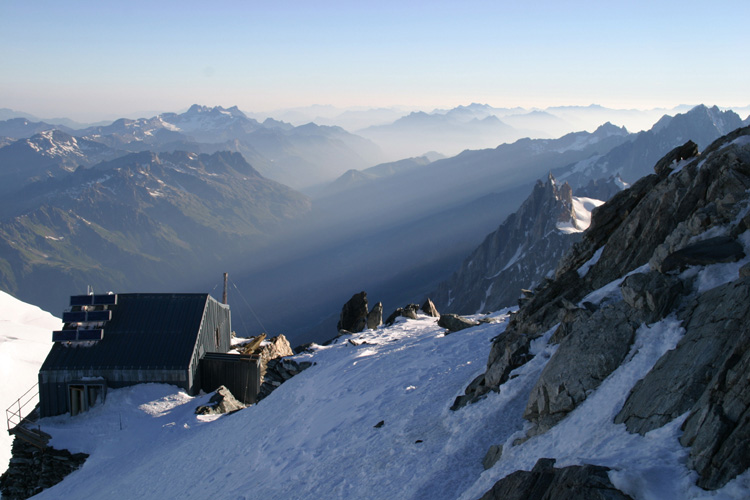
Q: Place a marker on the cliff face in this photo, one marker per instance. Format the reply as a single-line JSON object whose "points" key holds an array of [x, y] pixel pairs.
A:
{"points": [[672, 248], [519, 253]]}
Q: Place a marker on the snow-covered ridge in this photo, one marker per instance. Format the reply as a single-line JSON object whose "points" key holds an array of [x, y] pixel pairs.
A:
{"points": [[582, 208], [25, 340]]}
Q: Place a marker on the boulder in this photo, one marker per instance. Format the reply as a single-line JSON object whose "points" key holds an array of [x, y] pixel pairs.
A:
{"points": [[544, 482], [684, 152], [410, 311], [395, 314], [375, 317], [354, 314], [492, 456], [276, 347], [429, 309], [653, 293], [455, 323], [221, 402]]}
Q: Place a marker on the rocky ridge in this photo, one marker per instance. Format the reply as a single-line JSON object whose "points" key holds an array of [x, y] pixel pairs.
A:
{"points": [[671, 248]]}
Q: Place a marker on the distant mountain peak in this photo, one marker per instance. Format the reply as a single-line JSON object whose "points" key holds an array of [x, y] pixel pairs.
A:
{"points": [[608, 129], [234, 111]]}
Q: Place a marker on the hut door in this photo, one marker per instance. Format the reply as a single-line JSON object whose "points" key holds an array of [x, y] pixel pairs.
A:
{"points": [[77, 402]]}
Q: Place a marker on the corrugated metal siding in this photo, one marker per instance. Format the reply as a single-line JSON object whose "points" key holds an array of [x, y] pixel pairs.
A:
{"points": [[240, 374], [215, 315], [151, 338], [53, 385]]}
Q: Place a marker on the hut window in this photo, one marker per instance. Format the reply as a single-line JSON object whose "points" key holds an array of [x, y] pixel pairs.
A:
{"points": [[218, 338]]}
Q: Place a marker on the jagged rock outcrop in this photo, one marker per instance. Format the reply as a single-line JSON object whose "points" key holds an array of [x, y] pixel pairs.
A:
{"points": [[519, 253], [429, 309], [696, 209], [221, 402], [375, 317], [354, 314], [544, 482]]}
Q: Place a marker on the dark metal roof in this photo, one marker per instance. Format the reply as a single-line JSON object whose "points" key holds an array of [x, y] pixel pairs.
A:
{"points": [[147, 331]]}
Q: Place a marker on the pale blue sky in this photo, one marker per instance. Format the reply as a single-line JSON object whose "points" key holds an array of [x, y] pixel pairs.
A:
{"points": [[94, 59]]}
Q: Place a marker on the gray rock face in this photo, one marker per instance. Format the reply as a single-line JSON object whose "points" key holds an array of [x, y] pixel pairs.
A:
{"points": [[718, 429], [455, 323], [594, 348], [714, 323], [706, 375], [544, 482], [221, 402], [354, 314]]}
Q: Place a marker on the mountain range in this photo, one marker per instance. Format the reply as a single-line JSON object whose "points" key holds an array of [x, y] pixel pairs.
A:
{"points": [[140, 220], [299, 157], [623, 376], [155, 218]]}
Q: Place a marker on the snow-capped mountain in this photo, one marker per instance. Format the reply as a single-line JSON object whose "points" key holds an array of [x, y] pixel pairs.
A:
{"points": [[299, 157], [701, 124], [520, 253], [48, 154]]}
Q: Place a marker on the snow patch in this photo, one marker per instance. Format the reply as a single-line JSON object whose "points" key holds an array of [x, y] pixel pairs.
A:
{"points": [[584, 269]]}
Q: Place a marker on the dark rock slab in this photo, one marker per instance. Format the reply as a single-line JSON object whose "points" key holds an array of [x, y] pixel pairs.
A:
{"points": [[544, 482], [492, 456], [455, 323], [684, 152], [706, 252], [354, 314]]}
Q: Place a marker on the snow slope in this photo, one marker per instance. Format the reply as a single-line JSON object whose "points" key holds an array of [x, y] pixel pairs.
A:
{"points": [[25, 340], [316, 435]]}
